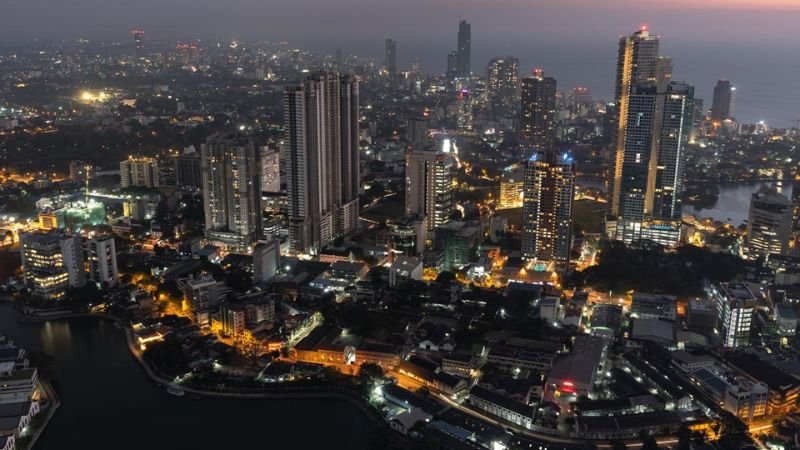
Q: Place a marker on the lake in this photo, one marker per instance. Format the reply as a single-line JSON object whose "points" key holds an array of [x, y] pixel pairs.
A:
{"points": [[108, 402]]}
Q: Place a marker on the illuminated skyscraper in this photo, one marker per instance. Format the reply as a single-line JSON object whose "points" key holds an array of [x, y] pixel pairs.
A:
{"points": [[390, 53], [232, 191], [502, 85], [723, 101], [654, 120], [674, 113], [429, 185], [769, 224], [636, 64], [463, 53], [538, 121], [138, 41], [322, 168], [547, 209]]}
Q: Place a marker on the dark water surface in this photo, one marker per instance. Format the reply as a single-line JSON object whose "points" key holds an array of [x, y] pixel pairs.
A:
{"points": [[107, 401]]}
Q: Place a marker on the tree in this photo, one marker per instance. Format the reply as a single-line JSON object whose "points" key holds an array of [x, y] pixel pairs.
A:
{"points": [[248, 346], [368, 373]]}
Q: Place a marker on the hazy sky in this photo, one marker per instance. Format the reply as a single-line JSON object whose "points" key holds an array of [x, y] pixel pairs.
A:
{"points": [[755, 43]]}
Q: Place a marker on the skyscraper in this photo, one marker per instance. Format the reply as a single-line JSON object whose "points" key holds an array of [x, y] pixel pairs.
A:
{"points": [[139, 171], [547, 209], [674, 113], [452, 64], [502, 85], [322, 161], [429, 185], [463, 53], [538, 121], [654, 120], [390, 56], [636, 64], [723, 101], [232, 191], [138, 42], [769, 224]]}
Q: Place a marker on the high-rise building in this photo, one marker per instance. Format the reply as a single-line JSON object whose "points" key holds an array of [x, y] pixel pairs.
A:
{"points": [[674, 113], [139, 171], [636, 65], [735, 310], [452, 64], [270, 170], [464, 50], [138, 42], [417, 131], [697, 120], [547, 209], [769, 224], [390, 56], [102, 255], [502, 85], [512, 186], [266, 260], [407, 235], [723, 102], [188, 169], [654, 119], [322, 161], [538, 121], [52, 263], [429, 185], [232, 191]]}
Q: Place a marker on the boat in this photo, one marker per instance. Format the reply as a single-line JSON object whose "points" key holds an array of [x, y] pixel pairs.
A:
{"points": [[176, 391]]}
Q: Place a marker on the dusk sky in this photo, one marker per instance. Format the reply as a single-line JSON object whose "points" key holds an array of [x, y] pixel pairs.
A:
{"points": [[752, 43]]}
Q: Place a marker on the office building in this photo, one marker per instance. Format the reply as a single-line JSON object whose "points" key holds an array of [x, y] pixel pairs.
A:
{"points": [[322, 161], [652, 306], [429, 185], [404, 268], [547, 209], [502, 85], [101, 253], [735, 309], [266, 260], [538, 106], [746, 399], [407, 235], [270, 170], [769, 224], [464, 51], [231, 191], [512, 187], [52, 263], [188, 169], [390, 56], [139, 171], [452, 64], [723, 101]]}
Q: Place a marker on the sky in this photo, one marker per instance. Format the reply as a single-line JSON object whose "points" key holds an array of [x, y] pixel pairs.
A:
{"points": [[752, 42]]}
